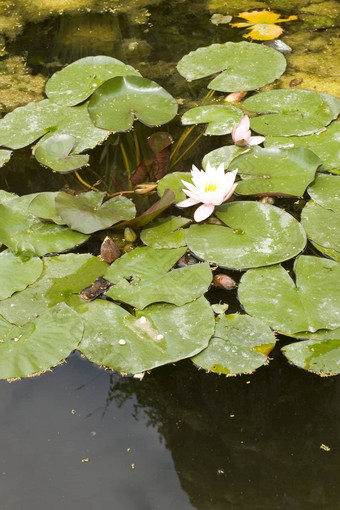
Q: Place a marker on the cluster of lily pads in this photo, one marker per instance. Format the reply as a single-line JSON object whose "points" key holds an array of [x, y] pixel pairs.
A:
{"points": [[151, 308]]}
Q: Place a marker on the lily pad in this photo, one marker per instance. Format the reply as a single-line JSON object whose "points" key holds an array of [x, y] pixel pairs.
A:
{"points": [[224, 155], [326, 145], [26, 124], [62, 278], [256, 235], [54, 152], [321, 357], [241, 344], [40, 344], [325, 191], [312, 303], [275, 171], [174, 183], [161, 334], [77, 81], [119, 101], [20, 231], [5, 156], [245, 66], [17, 273], [87, 213], [322, 227], [43, 206], [168, 199], [143, 276], [290, 112], [220, 118], [165, 232]]}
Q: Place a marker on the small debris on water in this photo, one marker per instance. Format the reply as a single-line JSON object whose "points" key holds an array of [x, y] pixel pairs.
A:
{"points": [[122, 342], [73, 411], [85, 460], [132, 466], [325, 447]]}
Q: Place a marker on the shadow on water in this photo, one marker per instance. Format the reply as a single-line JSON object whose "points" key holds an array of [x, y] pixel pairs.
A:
{"points": [[82, 437]]}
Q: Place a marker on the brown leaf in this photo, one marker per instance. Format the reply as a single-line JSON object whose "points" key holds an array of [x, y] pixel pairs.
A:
{"points": [[96, 289], [223, 281], [109, 251]]}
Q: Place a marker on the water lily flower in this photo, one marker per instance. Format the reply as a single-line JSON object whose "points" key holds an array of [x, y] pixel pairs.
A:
{"points": [[241, 134], [211, 187]]}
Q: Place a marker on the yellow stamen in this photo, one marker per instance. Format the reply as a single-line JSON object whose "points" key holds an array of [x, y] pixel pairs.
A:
{"points": [[211, 186]]}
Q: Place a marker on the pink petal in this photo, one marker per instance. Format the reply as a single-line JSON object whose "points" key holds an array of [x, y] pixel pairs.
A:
{"points": [[255, 140], [203, 212], [187, 202], [230, 192]]}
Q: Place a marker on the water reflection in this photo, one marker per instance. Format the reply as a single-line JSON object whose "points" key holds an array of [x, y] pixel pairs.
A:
{"points": [[246, 442]]}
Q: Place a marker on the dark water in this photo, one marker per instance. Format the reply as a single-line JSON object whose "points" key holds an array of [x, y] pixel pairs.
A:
{"points": [[84, 438]]}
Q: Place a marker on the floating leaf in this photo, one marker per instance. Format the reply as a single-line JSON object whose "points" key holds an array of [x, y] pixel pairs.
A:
{"points": [[262, 24], [159, 335], [240, 345], [26, 124], [245, 66], [143, 276], [54, 152], [62, 278], [43, 206], [322, 227], [16, 273], [291, 112], [321, 357], [165, 232], [119, 101], [223, 155], [87, 213], [5, 156], [20, 231], [270, 294], [220, 118], [256, 235], [275, 171], [324, 144], [325, 191], [174, 183], [40, 344], [77, 81]]}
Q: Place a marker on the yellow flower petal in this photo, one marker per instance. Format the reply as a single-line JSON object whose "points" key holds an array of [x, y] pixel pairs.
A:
{"points": [[264, 16], [264, 32]]}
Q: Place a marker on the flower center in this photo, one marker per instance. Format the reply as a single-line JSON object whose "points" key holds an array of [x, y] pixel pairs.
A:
{"points": [[210, 186]]}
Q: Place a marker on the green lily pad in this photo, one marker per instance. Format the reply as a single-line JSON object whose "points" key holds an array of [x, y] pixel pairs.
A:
{"points": [[321, 357], [161, 334], [275, 171], [54, 152], [62, 278], [20, 231], [220, 118], [224, 155], [173, 182], [16, 273], [87, 213], [143, 276], [270, 294], [245, 66], [291, 112], [324, 144], [320, 334], [43, 206], [165, 232], [40, 344], [5, 156], [26, 124], [168, 199], [241, 344], [119, 101], [325, 191], [256, 235], [77, 81], [322, 227]]}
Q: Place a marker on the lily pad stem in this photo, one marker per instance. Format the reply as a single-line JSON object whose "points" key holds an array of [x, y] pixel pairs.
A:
{"points": [[84, 183], [127, 164]]}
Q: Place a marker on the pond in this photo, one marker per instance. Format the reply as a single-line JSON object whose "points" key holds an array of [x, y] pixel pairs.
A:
{"points": [[181, 298]]}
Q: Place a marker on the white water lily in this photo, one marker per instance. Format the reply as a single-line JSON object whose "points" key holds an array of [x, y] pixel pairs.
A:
{"points": [[212, 187]]}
